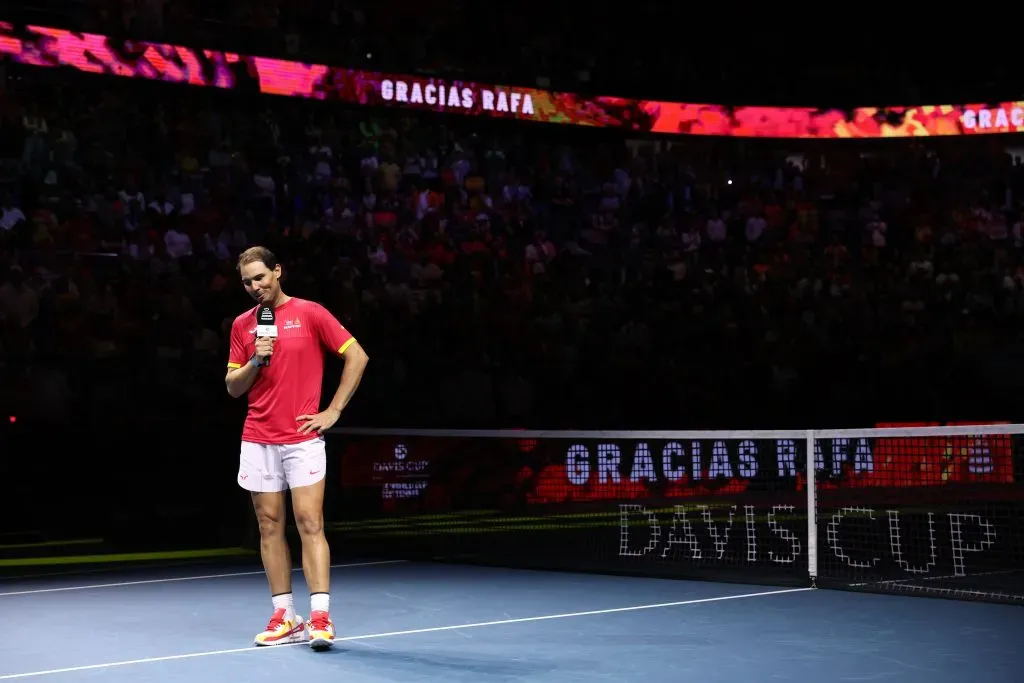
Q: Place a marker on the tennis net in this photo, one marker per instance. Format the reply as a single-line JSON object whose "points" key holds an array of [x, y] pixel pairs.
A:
{"points": [[930, 510]]}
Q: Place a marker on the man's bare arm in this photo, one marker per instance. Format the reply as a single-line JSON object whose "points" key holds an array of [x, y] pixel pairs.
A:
{"points": [[239, 380], [355, 364]]}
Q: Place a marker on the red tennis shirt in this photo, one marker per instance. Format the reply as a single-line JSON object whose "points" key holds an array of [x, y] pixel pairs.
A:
{"points": [[291, 386]]}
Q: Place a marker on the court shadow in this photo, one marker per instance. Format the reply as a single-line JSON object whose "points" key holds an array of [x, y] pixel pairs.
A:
{"points": [[409, 666]]}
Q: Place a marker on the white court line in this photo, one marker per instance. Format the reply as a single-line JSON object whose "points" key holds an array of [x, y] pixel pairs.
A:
{"points": [[434, 629], [181, 578]]}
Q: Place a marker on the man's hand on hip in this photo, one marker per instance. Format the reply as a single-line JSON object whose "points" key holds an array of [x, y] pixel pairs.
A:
{"points": [[319, 423]]}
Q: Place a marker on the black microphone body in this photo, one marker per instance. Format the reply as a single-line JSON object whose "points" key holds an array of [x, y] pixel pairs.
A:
{"points": [[266, 326]]}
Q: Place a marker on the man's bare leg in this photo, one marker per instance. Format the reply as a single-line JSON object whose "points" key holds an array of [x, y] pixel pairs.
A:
{"points": [[277, 562], [284, 625], [308, 504]]}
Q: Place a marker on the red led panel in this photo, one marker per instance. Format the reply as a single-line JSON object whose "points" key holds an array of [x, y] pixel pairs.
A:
{"points": [[92, 53]]}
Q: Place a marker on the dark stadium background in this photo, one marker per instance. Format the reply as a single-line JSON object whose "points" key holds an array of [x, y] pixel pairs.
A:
{"points": [[119, 439]]}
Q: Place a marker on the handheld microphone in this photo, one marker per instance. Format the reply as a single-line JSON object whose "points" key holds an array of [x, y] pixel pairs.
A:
{"points": [[265, 326]]}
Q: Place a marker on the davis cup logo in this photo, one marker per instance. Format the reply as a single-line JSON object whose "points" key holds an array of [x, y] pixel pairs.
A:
{"points": [[401, 465], [407, 478]]}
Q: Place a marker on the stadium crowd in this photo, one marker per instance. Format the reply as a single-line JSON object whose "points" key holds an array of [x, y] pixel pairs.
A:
{"points": [[501, 274]]}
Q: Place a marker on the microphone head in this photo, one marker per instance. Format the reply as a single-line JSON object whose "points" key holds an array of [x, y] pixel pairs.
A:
{"points": [[265, 315], [265, 326]]}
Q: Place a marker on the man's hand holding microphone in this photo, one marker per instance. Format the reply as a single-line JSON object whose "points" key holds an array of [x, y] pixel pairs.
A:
{"points": [[241, 379], [264, 350]]}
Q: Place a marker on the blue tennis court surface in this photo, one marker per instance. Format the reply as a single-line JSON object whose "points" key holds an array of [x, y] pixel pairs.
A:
{"points": [[422, 622]]}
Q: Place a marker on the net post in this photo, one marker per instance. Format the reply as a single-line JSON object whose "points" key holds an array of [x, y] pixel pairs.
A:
{"points": [[812, 518]]}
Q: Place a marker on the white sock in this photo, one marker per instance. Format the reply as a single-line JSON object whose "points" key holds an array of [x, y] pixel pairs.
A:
{"points": [[286, 602], [320, 602]]}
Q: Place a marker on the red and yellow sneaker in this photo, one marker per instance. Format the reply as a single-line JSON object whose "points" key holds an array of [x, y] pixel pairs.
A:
{"points": [[280, 631], [321, 630]]}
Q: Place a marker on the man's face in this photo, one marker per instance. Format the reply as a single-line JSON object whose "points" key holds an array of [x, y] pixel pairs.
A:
{"points": [[260, 282]]}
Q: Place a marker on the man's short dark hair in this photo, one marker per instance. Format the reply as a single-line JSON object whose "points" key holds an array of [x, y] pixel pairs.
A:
{"points": [[257, 255]]}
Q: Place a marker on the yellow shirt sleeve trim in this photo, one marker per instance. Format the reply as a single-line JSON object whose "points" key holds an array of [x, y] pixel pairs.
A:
{"points": [[234, 366], [345, 346]]}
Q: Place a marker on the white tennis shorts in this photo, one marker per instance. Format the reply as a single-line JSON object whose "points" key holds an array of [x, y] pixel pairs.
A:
{"points": [[266, 468]]}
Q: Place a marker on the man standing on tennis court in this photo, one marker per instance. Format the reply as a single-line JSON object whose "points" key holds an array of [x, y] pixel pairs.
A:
{"points": [[282, 440]]}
